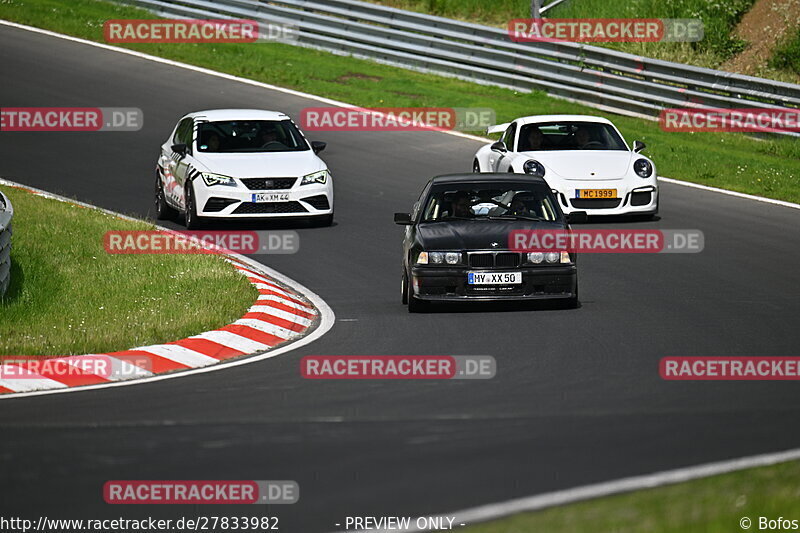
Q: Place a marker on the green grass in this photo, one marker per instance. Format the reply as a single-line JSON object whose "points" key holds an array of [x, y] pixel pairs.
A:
{"points": [[732, 161], [68, 296], [787, 56], [719, 19], [710, 505]]}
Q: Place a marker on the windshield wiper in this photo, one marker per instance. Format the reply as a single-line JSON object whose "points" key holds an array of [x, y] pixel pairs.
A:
{"points": [[515, 217]]}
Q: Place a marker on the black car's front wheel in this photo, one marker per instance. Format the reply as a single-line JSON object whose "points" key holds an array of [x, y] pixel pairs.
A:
{"points": [[404, 289], [415, 305]]}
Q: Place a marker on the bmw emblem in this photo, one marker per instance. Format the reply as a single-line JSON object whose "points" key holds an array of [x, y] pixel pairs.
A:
{"points": [[495, 244]]}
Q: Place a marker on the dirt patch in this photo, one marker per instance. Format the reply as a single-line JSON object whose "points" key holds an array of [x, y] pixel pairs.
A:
{"points": [[344, 78], [763, 27]]}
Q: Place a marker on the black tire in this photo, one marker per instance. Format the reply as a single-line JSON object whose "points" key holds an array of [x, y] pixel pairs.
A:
{"points": [[476, 167], [322, 221], [190, 217], [415, 305], [163, 209], [404, 288]]}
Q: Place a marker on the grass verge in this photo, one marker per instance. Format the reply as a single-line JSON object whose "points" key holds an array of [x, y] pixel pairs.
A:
{"points": [[732, 161], [787, 56], [710, 505], [68, 296]]}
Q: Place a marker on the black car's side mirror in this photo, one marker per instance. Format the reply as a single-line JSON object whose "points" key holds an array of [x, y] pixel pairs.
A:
{"points": [[318, 146], [499, 146], [638, 146], [180, 149], [578, 217], [404, 219]]}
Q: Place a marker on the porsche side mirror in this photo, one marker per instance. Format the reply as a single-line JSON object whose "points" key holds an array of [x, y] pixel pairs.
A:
{"points": [[499, 146], [638, 146], [404, 219], [180, 149], [318, 146], [578, 217]]}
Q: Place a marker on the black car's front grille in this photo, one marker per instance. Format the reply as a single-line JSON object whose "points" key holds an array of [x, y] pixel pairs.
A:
{"points": [[595, 203], [268, 184], [249, 208], [215, 205], [641, 198], [494, 259], [319, 201]]}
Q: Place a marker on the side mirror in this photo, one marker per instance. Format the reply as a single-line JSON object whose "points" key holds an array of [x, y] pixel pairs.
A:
{"points": [[638, 146], [499, 146], [578, 217], [404, 219], [318, 146], [181, 149]]}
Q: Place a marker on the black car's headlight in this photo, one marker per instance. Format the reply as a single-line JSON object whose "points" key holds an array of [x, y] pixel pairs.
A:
{"points": [[439, 258], [315, 177], [216, 179], [534, 168], [643, 168], [537, 258]]}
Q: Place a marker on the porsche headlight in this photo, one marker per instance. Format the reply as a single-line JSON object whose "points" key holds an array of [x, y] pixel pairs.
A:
{"points": [[216, 179], [315, 177], [534, 168], [643, 168]]}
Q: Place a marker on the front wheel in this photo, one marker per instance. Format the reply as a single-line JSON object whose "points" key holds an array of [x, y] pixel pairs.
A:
{"points": [[476, 167], [192, 220], [404, 289], [163, 210]]}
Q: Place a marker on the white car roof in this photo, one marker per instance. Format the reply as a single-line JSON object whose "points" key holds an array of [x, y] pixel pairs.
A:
{"points": [[558, 118], [216, 115]]}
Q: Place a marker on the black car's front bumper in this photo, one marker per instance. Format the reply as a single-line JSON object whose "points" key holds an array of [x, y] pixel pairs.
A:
{"points": [[441, 283]]}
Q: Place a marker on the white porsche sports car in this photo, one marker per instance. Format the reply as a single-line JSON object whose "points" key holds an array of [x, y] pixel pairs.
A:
{"points": [[241, 163], [584, 160]]}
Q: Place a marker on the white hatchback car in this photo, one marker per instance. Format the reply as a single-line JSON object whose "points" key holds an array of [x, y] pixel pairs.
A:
{"points": [[584, 159], [242, 163]]}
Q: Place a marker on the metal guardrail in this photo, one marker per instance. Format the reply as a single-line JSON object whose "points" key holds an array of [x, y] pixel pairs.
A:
{"points": [[593, 76], [6, 214]]}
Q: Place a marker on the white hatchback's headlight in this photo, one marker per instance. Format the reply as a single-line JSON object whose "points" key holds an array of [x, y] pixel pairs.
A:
{"points": [[316, 177], [216, 179]]}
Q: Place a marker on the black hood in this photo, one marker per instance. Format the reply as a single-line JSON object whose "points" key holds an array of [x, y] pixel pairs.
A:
{"points": [[474, 234]]}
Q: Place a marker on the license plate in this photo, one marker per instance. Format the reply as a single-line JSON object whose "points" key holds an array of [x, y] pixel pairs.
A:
{"points": [[494, 278], [595, 193], [262, 197]]}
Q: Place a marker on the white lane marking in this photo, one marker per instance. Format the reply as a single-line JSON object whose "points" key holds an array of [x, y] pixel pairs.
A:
{"points": [[31, 382], [288, 303], [494, 511], [321, 99], [280, 313], [267, 327], [730, 193], [232, 340]]}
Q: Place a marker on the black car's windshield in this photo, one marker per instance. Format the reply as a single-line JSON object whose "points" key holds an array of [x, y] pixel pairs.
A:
{"points": [[249, 136], [490, 201], [552, 136]]}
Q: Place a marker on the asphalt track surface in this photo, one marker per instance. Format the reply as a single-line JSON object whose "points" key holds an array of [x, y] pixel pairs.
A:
{"points": [[577, 398]]}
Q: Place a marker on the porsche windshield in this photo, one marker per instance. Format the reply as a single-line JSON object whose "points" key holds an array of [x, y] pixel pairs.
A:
{"points": [[250, 136], [552, 136], [490, 201]]}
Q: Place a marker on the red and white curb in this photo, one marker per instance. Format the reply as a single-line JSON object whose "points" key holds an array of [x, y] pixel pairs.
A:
{"points": [[285, 316]]}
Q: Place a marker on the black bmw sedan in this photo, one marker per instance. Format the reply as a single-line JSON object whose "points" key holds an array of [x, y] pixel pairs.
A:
{"points": [[457, 245]]}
